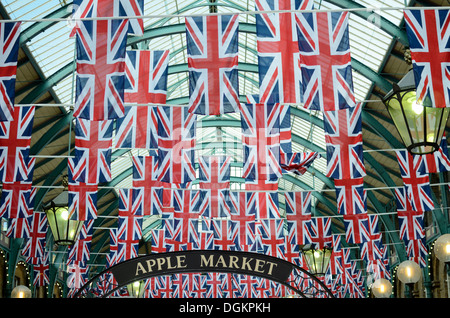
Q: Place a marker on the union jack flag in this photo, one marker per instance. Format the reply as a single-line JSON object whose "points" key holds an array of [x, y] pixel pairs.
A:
{"points": [[335, 264], [82, 199], [410, 222], [17, 197], [428, 36], [107, 8], [184, 202], [176, 143], [372, 248], [320, 229], [93, 142], [325, 60], [145, 83], [212, 48], [298, 216], [298, 162], [351, 198], [214, 182], [100, 66], [35, 245], [173, 232], [77, 275], [111, 257], [261, 142], [278, 53], [262, 200], [20, 227], [79, 252], [244, 217], [200, 235], [41, 270], [129, 229], [417, 251], [284, 126], [145, 175], [416, 180], [15, 138], [343, 137], [356, 225], [9, 42], [272, 236], [439, 160], [226, 233]]}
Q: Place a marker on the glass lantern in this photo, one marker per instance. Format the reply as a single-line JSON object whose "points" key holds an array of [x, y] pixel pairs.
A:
{"points": [[420, 127]]}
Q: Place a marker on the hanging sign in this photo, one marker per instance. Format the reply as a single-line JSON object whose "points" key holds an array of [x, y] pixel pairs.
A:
{"points": [[199, 261]]}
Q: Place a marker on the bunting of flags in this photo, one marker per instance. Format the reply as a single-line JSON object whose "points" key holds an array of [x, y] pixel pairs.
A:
{"points": [[301, 55]]}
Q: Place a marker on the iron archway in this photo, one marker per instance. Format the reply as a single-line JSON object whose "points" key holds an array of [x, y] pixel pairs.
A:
{"points": [[275, 269]]}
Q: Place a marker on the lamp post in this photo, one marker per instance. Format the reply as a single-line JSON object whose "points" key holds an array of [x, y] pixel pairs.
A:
{"points": [[21, 291], [409, 273], [317, 259], [420, 127], [382, 288], [135, 289], [442, 252], [64, 230]]}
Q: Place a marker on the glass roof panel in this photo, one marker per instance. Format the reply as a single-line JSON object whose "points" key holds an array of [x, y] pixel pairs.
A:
{"points": [[53, 49]]}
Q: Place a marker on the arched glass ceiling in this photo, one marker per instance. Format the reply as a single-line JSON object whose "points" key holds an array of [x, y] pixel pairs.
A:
{"points": [[53, 49]]}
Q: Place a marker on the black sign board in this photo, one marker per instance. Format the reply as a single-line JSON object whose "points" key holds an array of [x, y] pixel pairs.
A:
{"points": [[198, 261]]}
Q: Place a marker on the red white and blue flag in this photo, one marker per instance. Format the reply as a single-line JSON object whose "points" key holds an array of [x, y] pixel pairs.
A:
{"points": [[176, 143], [41, 270], [129, 228], [79, 252], [271, 232], [107, 8], [17, 198], [93, 143], [226, 234], [212, 50], [428, 36], [244, 216], [35, 244], [320, 229], [278, 53], [82, 196], [145, 178], [9, 42], [439, 160], [145, 84], [262, 199], [325, 60], [184, 203], [15, 139], [100, 66], [214, 184], [298, 162], [343, 137], [417, 251], [351, 199], [410, 222], [261, 142], [416, 180], [298, 216]]}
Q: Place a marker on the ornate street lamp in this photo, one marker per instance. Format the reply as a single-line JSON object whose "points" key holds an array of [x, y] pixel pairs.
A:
{"points": [[136, 289], [382, 288], [409, 273], [317, 259], [64, 230], [420, 127]]}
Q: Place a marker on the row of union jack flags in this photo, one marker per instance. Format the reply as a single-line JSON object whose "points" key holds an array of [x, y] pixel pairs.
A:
{"points": [[293, 67]]}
